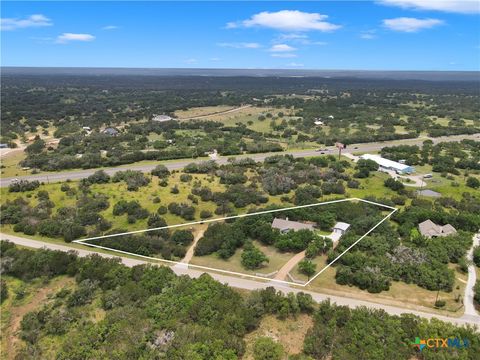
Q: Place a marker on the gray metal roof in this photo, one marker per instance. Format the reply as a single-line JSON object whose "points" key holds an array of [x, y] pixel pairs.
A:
{"points": [[285, 224]]}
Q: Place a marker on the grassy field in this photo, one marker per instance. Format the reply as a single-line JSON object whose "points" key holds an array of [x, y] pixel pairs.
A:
{"points": [[10, 164], [201, 111]]}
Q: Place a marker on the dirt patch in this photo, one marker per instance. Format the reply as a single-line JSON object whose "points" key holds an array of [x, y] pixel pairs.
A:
{"points": [[39, 297], [290, 333]]}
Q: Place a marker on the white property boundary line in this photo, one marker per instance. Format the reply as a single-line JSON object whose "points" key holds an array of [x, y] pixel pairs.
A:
{"points": [[187, 265]]}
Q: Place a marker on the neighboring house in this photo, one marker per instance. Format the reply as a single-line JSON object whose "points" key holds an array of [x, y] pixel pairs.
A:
{"points": [[389, 164], [110, 131], [319, 122], [161, 118], [285, 225], [341, 228], [429, 229]]}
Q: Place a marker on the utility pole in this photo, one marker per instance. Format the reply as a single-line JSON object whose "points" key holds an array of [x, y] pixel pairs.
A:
{"points": [[340, 146]]}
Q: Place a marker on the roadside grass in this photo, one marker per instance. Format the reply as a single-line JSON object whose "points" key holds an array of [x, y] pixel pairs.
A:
{"points": [[401, 294]]}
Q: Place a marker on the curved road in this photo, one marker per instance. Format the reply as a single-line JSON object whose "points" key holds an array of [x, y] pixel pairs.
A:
{"points": [[250, 284], [174, 165]]}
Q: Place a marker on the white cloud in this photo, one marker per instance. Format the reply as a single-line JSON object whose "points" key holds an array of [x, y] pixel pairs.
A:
{"points": [[282, 48], [368, 34], [190, 61], [287, 20], [294, 64], [241, 45], [300, 39], [67, 37], [36, 20], [215, 59], [292, 36], [110, 27], [407, 24], [454, 6], [284, 55]]}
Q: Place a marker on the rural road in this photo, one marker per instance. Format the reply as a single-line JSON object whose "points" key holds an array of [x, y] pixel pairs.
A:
{"points": [[216, 113], [365, 147], [252, 285]]}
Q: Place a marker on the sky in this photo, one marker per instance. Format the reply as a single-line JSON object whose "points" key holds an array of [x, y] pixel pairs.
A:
{"points": [[350, 35]]}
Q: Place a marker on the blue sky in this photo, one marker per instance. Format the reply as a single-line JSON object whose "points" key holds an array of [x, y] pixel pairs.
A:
{"points": [[380, 35]]}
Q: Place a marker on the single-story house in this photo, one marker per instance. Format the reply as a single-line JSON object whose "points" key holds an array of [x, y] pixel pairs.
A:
{"points": [[429, 229], [319, 122], [110, 131], [389, 164], [341, 227], [285, 225], [161, 118]]}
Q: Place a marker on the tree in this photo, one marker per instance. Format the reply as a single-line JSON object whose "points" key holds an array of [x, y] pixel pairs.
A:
{"points": [[252, 257], [472, 182], [161, 171], [267, 349], [307, 267]]}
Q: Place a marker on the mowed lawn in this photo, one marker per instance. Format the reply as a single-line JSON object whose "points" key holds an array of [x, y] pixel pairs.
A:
{"points": [[276, 260]]}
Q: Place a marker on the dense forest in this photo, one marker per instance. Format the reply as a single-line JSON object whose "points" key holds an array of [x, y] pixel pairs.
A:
{"points": [[114, 312]]}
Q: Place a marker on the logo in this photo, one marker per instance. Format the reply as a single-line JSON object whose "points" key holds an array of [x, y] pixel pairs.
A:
{"points": [[420, 344], [430, 343]]}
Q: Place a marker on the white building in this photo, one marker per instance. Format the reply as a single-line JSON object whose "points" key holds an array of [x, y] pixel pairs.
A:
{"points": [[389, 164], [161, 118], [341, 228]]}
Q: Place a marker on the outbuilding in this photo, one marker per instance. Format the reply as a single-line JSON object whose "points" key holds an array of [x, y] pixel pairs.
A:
{"points": [[389, 164], [341, 227]]}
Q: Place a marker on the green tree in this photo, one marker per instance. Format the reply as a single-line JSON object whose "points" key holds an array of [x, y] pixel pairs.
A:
{"points": [[252, 257], [307, 267], [267, 349]]}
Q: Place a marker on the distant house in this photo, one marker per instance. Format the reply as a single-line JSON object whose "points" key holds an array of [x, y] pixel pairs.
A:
{"points": [[318, 122], [429, 229], [110, 131], [285, 225], [341, 228], [161, 118], [389, 164], [331, 117], [3, 146]]}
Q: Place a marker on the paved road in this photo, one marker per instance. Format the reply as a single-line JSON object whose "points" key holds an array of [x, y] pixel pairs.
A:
{"points": [[252, 285], [366, 147], [468, 301]]}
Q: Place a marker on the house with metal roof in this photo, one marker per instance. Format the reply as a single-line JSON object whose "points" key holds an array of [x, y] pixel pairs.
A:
{"points": [[110, 131], [161, 118], [389, 164], [285, 225], [341, 227], [429, 229]]}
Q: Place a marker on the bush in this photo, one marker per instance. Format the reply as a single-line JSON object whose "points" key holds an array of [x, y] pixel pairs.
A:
{"points": [[472, 182], [23, 185], [440, 303], [267, 349], [205, 214], [161, 171]]}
